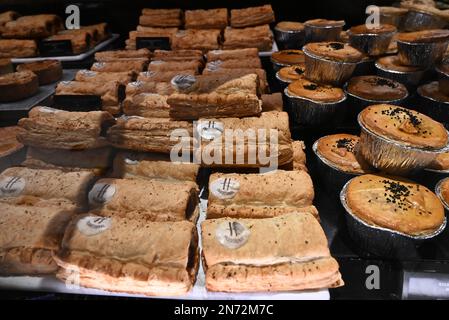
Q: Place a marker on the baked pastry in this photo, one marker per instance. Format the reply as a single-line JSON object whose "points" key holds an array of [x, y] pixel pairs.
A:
{"points": [[259, 37], [33, 27], [253, 16], [20, 182], [234, 64], [432, 91], [161, 18], [101, 30], [320, 30], [197, 39], [287, 57], [444, 190], [161, 66], [8, 16], [404, 126], [91, 33], [163, 76], [151, 134], [206, 19], [104, 56], [29, 236], [334, 51], [220, 96], [6, 66], [149, 32], [304, 88], [133, 165], [376, 88], [245, 53], [11, 48], [254, 142], [392, 15], [51, 128], [120, 66], [425, 36], [441, 162], [178, 55], [47, 71], [123, 255], [299, 156], [395, 204], [18, 85], [81, 41], [272, 102], [95, 160], [122, 78], [434, 101], [371, 40], [10, 148], [147, 105], [240, 72], [139, 199], [392, 63], [284, 253], [287, 75], [137, 87], [289, 34], [260, 195], [340, 152]]}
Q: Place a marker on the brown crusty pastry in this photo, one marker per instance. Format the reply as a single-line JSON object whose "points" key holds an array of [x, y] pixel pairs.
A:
{"points": [[162, 66], [51, 128], [95, 160], [333, 51], [404, 126], [206, 19], [272, 102], [104, 56], [252, 16], [260, 195], [161, 17], [210, 95], [441, 162], [137, 65], [240, 72], [150, 134], [12, 48], [137, 87], [123, 77], [100, 29], [395, 204], [91, 33], [178, 55], [29, 235], [197, 39], [376, 88], [245, 53], [288, 57], [306, 89], [134, 165], [234, 64], [8, 16], [19, 182], [81, 41], [147, 105], [299, 156], [9, 143], [18, 85], [163, 76], [32, 27], [47, 71], [259, 37], [131, 256], [444, 189], [149, 32], [149, 200], [284, 253], [213, 132]]}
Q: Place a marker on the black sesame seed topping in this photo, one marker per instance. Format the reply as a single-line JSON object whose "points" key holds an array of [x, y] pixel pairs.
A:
{"points": [[347, 144], [336, 45], [311, 86]]}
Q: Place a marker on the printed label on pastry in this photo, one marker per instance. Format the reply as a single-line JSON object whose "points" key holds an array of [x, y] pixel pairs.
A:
{"points": [[11, 186], [214, 65], [92, 225], [148, 74], [98, 65], [126, 118], [88, 73], [66, 83], [101, 193], [232, 234], [157, 62], [136, 84], [129, 160], [48, 110], [225, 188], [210, 129], [183, 82]]}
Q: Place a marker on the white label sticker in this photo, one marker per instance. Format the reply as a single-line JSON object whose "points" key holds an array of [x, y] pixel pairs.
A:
{"points": [[66, 83], [183, 82], [136, 84], [48, 110], [88, 73], [148, 74], [209, 129], [101, 193], [232, 234], [99, 65], [11, 186], [225, 188], [92, 225], [214, 65], [131, 161]]}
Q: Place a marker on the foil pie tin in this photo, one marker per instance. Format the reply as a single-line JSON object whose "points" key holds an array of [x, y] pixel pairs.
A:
{"points": [[421, 54], [409, 79], [418, 21], [373, 44], [380, 241], [283, 83], [326, 71], [438, 193], [437, 110], [307, 112], [289, 39], [393, 157], [322, 33], [443, 81]]}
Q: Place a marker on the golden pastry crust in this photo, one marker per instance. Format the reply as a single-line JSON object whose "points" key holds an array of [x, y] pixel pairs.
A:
{"points": [[80, 40], [32, 27], [48, 71], [9, 143], [324, 23], [162, 66], [315, 92], [178, 55], [236, 73], [161, 17], [120, 66], [363, 29], [393, 11], [18, 85], [149, 200], [76, 130], [376, 88], [198, 39], [405, 126], [132, 256], [147, 105], [392, 63], [122, 54], [252, 16], [395, 204], [108, 91], [292, 73], [123, 77], [288, 57], [12, 48], [263, 195], [101, 30], [272, 102], [441, 162], [259, 37], [444, 189], [424, 36], [340, 151], [334, 51], [245, 53], [206, 19], [299, 156], [294, 256], [431, 90], [152, 86], [8, 16], [289, 26]]}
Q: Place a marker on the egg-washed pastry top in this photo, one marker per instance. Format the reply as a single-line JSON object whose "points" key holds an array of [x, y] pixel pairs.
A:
{"points": [[290, 26], [324, 23], [444, 190], [21, 77], [9, 143], [391, 63], [405, 126], [288, 57], [319, 93], [395, 204], [291, 73], [39, 65], [431, 91], [441, 162], [363, 29], [425, 36], [340, 151], [376, 88], [334, 51]]}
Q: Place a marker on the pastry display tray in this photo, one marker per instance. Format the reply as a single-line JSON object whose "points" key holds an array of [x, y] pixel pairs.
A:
{"points": [[78, 57], [199, 292]]}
